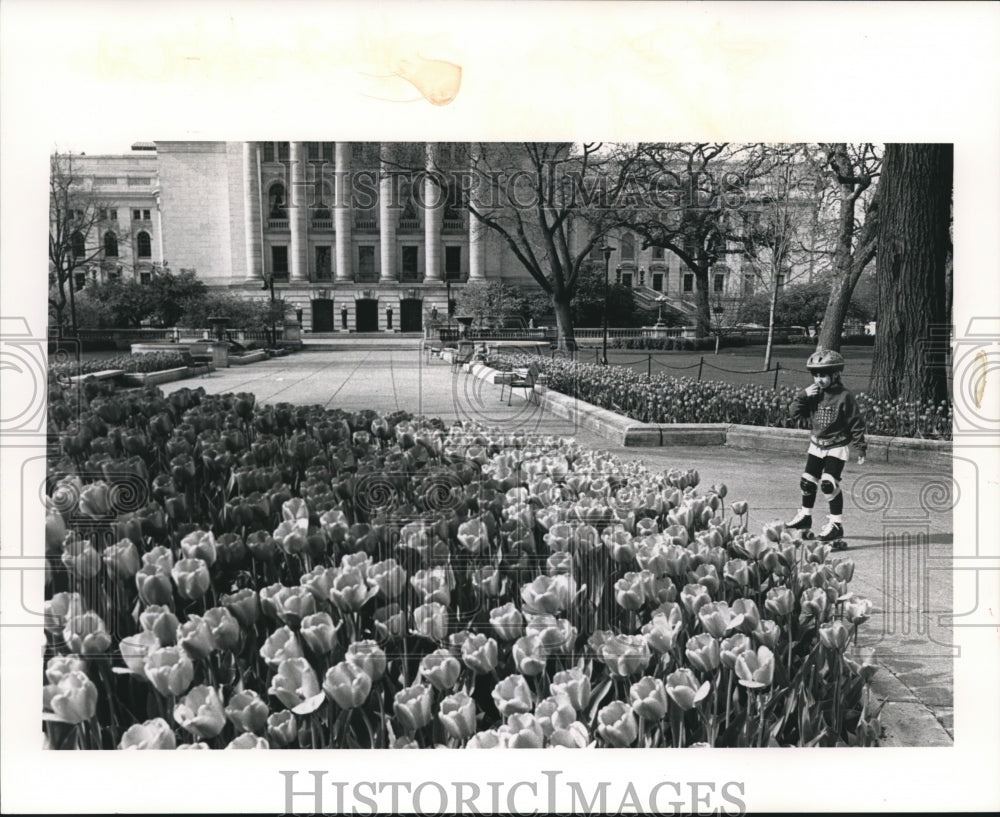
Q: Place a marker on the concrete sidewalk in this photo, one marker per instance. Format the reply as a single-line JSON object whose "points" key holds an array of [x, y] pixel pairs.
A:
{"points": [[899, 530]]}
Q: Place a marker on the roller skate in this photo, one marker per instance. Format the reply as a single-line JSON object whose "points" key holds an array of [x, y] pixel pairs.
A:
{"points": [[833, 535]]}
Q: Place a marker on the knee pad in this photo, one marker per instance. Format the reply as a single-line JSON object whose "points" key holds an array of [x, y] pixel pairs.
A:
{"points": [[829, 486], [808, 485]]}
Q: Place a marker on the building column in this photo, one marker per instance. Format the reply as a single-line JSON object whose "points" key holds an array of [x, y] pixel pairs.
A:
{"points": [[298, 216], [386, 217], [342, 212], [252, 224], [433, 211], [477, 230]]}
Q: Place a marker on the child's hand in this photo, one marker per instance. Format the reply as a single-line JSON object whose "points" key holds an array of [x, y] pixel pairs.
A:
{"points": [[813, 389], [861, 459]]}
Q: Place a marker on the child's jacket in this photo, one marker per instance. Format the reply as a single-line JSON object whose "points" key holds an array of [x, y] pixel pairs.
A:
{"points": [[835, 417]]}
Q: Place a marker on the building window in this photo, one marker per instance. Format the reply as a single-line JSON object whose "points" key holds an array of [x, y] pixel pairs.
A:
{"points": [[328, 151], [102, 214], [276, 201], [718, 282], [312, 150], [110, 245], [453, 262], [279, 262], [658, 281], [268, 153], [79, 245], [145, 215], [114, 214], [137, 215], [657, 253], [366, 261], [145, 277], [143, 246], [628, 248], [410, 262], [747, 283], [689, 282], [283, 151], [323, 262], [115, 274], [79, 280]]}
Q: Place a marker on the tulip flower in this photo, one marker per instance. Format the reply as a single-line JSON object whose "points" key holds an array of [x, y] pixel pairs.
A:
{"points": [[292, 536], [617, 725], [280, 646], [196, 745], [731, 648], [319, 633], [815, 603], [80, 558], [649, 698], [347, 685], [75, 698], [282, 730], [703, 652], [575, 736], [152, 734], [433, 585], [745, 609], [554, 712], [767, 633], [192, 578], [857, 610], [737, 571], [368, 656], [244, 604], [59, 666], [169, 670], [523, 732], [572, 685], [349, 591], [630, 590], [779, 601], [683, 688], [292, 604], [513, 695], [507, 621], [390, 621], [262, 546], [548, 594], [625, 655], [431, 621], [85, 634], [294, 682], [248, 741], [488, 582], [201, 712], [441, 669], [121, 560], [200, 544], [224, 627], [161, 622], [247, 711], [195, 636], [360, 561], [488, 739], [479, 653], [473, 535], [55, 531], [694, 597], [717, 618], [388, 577], [755, 670], [834, 636], [457, 714], [661, 631], [153, 583], [95, 500], [412, 707]]}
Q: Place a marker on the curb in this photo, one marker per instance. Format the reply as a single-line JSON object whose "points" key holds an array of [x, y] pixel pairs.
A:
{"points": [[166, 375], [905, 720], [631, 433]]}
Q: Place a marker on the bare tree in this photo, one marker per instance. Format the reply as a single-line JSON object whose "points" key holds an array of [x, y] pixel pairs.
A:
{"points": [[853, 170], [912, 271], [77, 218]]}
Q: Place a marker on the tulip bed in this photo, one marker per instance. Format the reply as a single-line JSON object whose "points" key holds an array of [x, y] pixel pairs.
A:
{"points": [[132, 364], [665, 399], [229, 575]]}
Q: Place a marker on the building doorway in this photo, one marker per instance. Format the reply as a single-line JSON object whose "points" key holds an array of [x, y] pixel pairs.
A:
{"points": [[366, 315], [411, 315], [322, 315]]}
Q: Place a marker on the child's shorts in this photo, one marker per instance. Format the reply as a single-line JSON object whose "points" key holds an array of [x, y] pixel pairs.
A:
{"points": [[841, 452]]}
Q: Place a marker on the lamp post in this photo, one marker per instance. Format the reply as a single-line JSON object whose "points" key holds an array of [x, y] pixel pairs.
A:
{"points": [[607, 250], [718, 309], [447, 285], [661, 301]]}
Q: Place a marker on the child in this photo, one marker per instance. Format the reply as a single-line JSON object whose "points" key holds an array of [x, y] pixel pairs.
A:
{"points": [[836, 422]]}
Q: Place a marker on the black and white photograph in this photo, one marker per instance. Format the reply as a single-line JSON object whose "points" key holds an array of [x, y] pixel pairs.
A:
{"points": [[380, 418]]}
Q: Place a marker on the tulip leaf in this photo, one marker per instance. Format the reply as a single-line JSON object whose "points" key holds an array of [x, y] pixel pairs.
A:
{"points": [[53, 718], [310, 705]]}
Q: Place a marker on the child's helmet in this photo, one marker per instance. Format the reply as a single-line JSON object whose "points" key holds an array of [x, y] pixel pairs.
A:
{"points": [[825, 360]]}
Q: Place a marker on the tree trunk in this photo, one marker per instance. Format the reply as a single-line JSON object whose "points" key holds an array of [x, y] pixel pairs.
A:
{"points": [[566, 341], [832, 326], [770, 323], [909, 360]]}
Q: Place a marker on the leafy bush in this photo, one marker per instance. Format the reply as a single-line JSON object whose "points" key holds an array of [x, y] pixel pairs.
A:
{"points": [[241, 312], [666, 399], [131, 364], [224, 574]]}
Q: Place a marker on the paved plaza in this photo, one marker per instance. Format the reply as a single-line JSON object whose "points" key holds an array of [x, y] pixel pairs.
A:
{"points": [[905, 568]]}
